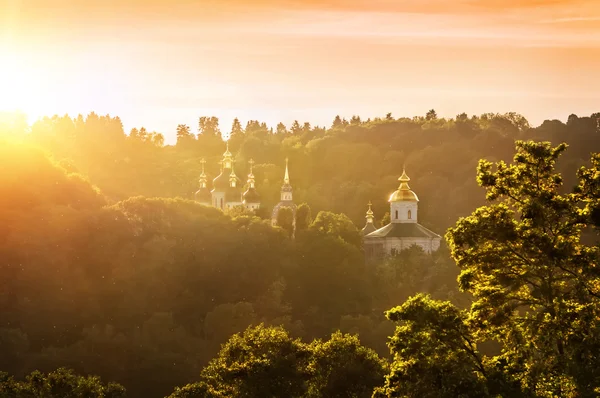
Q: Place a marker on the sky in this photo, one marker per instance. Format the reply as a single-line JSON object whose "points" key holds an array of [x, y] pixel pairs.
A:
{"points": [[158, 63]]}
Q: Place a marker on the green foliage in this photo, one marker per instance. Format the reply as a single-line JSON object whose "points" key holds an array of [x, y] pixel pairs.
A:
{"points": [[534, 286], [267, 362], [285, 220], [534, 283], [342, 367], [143, 290], [434, 353], [197, 390], [337, 225], [303, 217], [61, 383], [261, 362], [385, 220]]}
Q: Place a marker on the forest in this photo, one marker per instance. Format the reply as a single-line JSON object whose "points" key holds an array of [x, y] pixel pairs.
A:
{"points": [[114, 282]]}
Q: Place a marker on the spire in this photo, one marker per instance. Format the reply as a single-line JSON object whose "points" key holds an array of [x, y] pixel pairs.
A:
{"points": [[403, 193], [404, 179], [286, 188], [369, 226], [369, 216], [202, 175], [232, 177], [227, 158], [227, 153], [286, 177], [251, 175], [203, 162]]}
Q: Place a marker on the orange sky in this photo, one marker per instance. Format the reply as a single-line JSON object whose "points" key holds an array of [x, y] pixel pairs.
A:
{"points": [[160, 63]]}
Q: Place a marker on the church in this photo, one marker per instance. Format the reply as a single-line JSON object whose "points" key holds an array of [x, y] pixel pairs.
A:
{"points": [[403, 231], [285, 198], [227, 187]]}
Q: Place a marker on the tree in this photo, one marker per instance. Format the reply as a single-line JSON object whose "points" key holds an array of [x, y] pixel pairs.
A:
{"points": [[134, 133], [261, 362], [184, 135], [296, 129], [61, 383], [355, 120], [303, 217], [386, 219], [285, 219], [236, 129], [388, 116], [158, 139], [431, 115], [306, 128], [143, 134], [337, 225], [209, 126], [588, 190], [342, 367], [196, 390], [534, 283], [281, 129], [434, 353], [337, 122]]}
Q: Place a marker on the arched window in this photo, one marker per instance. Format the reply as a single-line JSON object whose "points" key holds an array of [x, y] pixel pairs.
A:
{"points": [[221, 203], [410, 215], [396, 214]]}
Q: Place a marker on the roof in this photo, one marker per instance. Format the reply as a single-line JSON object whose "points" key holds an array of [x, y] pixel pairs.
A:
{"points": [[233, 194], [251, 196], [221, 182], [403, 230], [368, 228], [203, 195], [402, 195]]}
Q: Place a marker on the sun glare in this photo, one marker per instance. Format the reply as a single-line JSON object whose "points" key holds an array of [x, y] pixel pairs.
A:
{"points": [[21, 88]]}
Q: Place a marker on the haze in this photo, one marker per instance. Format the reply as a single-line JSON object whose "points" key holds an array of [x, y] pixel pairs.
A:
{"points": [[163, 63]]}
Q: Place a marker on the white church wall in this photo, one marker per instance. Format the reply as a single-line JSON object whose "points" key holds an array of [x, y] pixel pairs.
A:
{"points": [[403, 212]]}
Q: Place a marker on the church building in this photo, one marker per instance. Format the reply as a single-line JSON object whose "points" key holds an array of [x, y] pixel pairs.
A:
{"points": [[286, 197], [403, 231], [227, 187]]}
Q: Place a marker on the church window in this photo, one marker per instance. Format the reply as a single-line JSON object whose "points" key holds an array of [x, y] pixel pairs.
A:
{"points": [[410, 215], [396, 214]]}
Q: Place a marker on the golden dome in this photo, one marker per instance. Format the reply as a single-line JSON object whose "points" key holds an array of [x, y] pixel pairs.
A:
{"points": [[404, 194]]}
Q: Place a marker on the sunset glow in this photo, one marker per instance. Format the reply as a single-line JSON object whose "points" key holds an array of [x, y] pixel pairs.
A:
{"points": [[169, 62]]}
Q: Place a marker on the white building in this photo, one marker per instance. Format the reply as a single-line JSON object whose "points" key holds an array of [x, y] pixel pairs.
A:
{"points": [[286, 199], [403, 231], [227, 187]]}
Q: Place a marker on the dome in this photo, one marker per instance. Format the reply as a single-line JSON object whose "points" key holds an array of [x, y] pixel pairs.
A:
{"points": [[404, 194], [221, 182], [203, 196], [251, 196]]}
